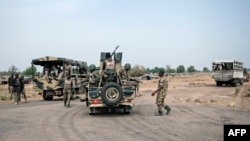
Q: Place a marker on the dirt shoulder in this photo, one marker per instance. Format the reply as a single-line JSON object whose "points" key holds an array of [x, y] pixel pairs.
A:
{"points": [[196, 88], [200, 88]]}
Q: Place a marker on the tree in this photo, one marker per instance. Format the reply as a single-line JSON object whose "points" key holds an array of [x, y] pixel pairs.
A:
{"points": [[172, 70], [28, 71], [191, 69], [13, 69], [137, 70], [205, 69], [156, 69], [180, 69], [147, 70]]}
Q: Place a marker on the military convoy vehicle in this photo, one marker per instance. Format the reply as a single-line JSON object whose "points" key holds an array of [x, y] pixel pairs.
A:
{"points": [[112, 92], [50, 83], [229, 72]]}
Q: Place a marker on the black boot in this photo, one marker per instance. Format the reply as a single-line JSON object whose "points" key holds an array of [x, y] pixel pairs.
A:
{"points": [[168, 109], [160, 113]]}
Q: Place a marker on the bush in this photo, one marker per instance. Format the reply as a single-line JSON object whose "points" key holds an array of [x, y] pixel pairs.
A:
{"points": [[237, 90], [3, 97], [248, 94]]}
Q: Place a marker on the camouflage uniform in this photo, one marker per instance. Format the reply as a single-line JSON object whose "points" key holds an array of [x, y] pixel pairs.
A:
{"points": [[161, 95], [10, 87], [67, 91], [23, 88], [67, 68], [94, 78], [17, 89], [125, 75]]}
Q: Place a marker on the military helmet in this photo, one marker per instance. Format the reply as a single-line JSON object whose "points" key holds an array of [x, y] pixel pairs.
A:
{"points": [[92, 67], [127, 66]]}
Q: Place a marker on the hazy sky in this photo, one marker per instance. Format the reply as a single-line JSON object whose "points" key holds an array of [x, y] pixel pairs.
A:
{"points": [[150, 32]]}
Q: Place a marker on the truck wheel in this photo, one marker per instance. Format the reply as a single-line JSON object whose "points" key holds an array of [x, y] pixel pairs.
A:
{"points": [[45, 97], [241, 82], [111, 93], [218, 83]]}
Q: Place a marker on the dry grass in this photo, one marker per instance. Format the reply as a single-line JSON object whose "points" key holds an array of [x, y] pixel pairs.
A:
{"points": [[237, 90]]}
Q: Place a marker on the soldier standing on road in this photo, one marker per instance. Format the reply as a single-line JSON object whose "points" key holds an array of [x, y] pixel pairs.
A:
{"points": [[23, 88], [67, 90], [10, 87], [17, 88], [161, 93]]}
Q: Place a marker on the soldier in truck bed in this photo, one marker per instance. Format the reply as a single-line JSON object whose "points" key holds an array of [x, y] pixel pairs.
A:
{"points": [[125, 75]]}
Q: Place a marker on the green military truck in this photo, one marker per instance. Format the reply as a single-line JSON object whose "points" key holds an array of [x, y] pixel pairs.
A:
{"points": [[51, 81], [112, 92]]}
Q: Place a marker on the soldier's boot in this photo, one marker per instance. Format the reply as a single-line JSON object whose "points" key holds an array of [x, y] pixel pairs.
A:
{"points": [[160, 113], [168, 109], [10, 97], [64, 103]]}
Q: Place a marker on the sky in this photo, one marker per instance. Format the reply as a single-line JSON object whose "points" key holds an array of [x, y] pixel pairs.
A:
{"points": [[151, 33]]}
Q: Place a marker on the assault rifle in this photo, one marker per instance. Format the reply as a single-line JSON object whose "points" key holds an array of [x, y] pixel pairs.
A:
{"points": [[138, 81]]}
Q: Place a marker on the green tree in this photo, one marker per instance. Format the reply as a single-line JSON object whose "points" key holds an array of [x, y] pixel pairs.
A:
{"points": [[172, 70], [191, 69], [156, 69], [28, 71], [205, 69], [180, 69], [137, 71]]}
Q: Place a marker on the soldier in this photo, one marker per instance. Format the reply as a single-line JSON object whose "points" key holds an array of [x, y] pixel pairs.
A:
{"points": [[161, 93], [93, 79], [109, 62], [94, 76], [17, 88], [67, 91], [125, 75], [23, 88], [10, 87], [67, 68]]}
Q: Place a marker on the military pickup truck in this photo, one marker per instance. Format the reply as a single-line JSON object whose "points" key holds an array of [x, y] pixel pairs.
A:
{"points": [[111, 92]]}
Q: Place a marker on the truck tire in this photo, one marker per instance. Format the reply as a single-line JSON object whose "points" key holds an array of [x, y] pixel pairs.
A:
{"points": [[241, 82], [218, 83], [111, 93], [45, 97]]}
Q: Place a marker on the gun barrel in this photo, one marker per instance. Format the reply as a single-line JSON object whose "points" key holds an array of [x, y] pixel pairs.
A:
{"points": [[114, 50]]}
